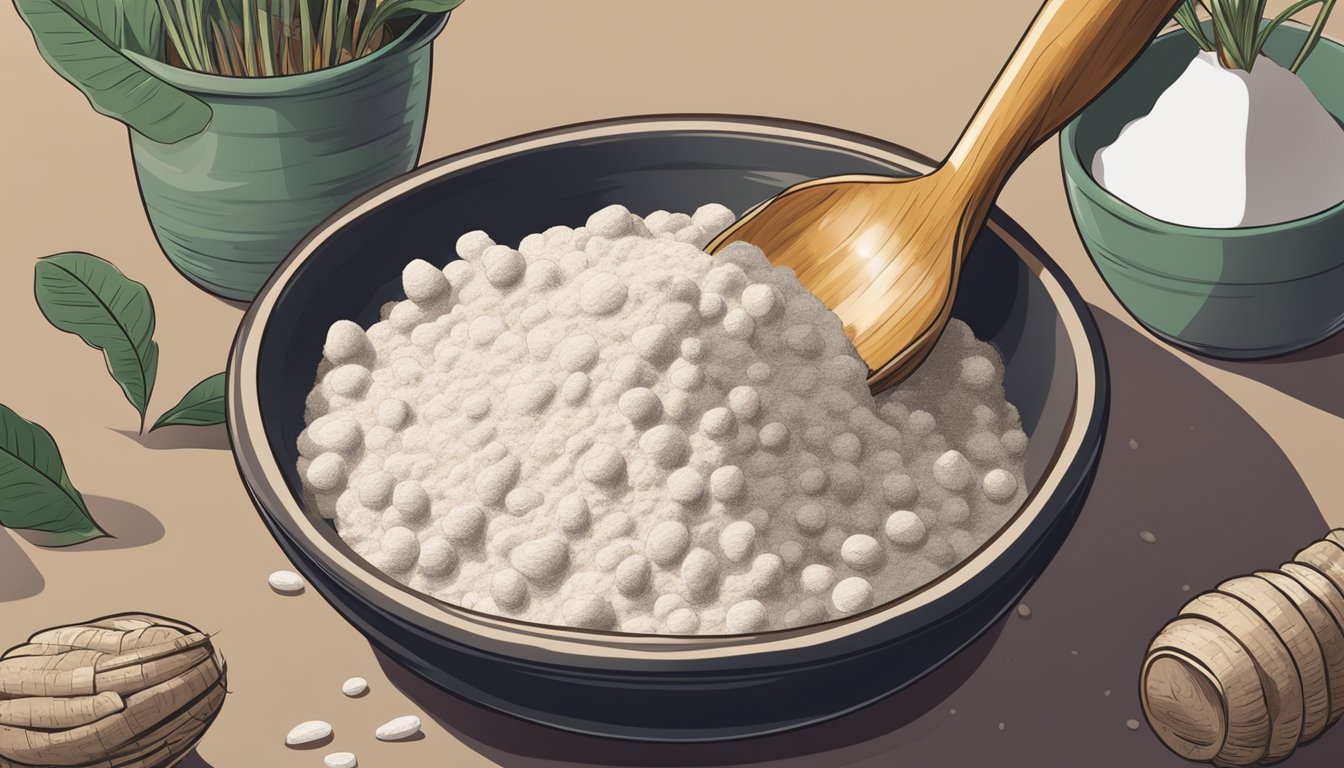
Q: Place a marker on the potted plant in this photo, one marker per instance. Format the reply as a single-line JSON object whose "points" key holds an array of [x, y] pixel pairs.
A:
{"points": [[1208, 182], [250, 120]]}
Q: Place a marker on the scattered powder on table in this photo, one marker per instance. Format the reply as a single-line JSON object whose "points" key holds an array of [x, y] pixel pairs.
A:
{"points": [[355, 687], [398, 728], [308, 732], [608, 428], [286, 582]]}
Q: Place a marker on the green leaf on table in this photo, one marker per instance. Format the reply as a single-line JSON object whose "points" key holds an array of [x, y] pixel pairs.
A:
{"points": [[35, 492], [85, 40], [80, 293], [202, 406]]}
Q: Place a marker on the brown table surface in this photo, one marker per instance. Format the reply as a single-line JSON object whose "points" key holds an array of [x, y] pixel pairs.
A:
{"points": [[1233, 465]]}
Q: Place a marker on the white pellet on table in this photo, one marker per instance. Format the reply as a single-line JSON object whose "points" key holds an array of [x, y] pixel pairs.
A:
{"points": [[355, 686], [286, 582], [307, 732], [608, 428], [398, 728]]}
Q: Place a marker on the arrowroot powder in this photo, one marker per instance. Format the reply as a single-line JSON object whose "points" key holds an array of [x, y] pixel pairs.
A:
{"points": [[608, 428], [1227, 148]]}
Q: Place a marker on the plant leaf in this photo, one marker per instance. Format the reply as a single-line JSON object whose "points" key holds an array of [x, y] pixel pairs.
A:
{"points": [[1235, 23], [390, 9], [141, 26], [1268, 28], [1313, 36], [130, 24], [35, 492], [202, 406], [1186, 16], [80, 293], [81, 40]]}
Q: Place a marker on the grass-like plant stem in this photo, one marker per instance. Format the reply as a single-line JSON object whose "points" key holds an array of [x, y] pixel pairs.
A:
{"points": [[264, 38], [1314, 35], [1240, 29]]}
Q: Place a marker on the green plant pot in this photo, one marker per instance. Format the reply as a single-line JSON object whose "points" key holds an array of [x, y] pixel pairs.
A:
{"points": [[280, 155], [1243, 293]]}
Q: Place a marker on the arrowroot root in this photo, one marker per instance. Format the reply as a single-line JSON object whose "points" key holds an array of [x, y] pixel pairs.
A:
{"points": [[1255, 668], [130, 691]]}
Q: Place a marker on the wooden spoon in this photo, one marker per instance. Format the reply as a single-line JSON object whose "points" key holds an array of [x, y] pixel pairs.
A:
{"points": [[885, 253]]}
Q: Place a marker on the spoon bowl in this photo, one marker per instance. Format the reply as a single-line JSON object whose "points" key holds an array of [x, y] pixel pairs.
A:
{"points": [[891, 285]]}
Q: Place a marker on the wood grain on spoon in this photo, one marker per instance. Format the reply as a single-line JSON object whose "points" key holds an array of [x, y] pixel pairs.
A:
{"points": [[885, 253]]}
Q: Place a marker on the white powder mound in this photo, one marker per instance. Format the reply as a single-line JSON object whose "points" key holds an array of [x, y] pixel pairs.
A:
{"points": [[608, 428], [1227, 148]]}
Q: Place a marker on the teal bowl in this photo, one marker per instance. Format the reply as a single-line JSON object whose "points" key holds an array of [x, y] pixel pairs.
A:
{"points": [[1242, 293]]}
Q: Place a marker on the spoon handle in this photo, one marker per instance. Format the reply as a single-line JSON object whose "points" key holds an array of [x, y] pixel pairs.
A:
{"points": [[1073, 50]]}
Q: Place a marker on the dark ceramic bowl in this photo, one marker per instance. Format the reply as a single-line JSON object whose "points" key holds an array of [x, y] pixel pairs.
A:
{"points": [[650, 686], [1240, 293]]}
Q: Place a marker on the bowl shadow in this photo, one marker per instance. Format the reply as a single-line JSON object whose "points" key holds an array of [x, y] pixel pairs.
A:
{"points": [[1312, 375], [514, 742], [1183, 462]]}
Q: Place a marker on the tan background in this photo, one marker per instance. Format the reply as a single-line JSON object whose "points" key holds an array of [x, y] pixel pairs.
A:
{"points": [[1233, 466]]}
